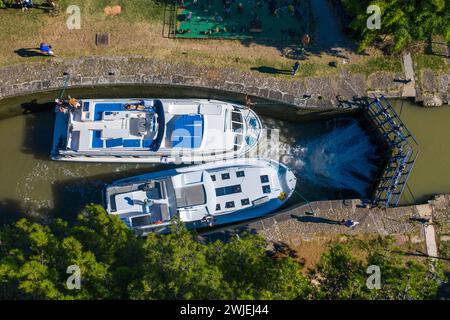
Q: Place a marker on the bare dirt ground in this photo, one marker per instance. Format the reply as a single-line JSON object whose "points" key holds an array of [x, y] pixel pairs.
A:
{"points": [[26, 30]]}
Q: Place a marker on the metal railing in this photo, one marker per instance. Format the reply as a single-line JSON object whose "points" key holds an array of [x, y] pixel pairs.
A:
{"points": [[169, 19], [403, 151]]}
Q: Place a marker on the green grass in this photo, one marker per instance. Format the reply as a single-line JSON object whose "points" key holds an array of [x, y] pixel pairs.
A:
{"points": [[132, 10], [433, 62], [16, 24], [389, 64]]}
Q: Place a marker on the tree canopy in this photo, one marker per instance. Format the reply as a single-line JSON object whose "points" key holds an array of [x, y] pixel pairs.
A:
{"points": [[402, 22], [115, 264]]}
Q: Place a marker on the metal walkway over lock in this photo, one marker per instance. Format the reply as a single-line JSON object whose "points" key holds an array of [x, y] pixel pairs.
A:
{"points": [[403, 151]]}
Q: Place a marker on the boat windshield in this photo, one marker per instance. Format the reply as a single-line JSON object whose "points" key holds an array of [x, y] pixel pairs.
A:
{"points": [[190, 196], [237, 122]]}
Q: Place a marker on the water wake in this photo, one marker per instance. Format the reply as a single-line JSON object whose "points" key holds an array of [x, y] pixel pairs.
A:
{"points": [[342, 158]]}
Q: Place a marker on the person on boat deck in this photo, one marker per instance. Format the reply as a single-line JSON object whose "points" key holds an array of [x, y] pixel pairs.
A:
{"points": [[248, 102], [74, 103], [60, 105], [139, 106], [130, 106]]}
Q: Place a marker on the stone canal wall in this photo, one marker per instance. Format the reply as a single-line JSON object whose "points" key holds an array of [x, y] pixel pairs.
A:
{"points": [[310, 93], [320, 219]]}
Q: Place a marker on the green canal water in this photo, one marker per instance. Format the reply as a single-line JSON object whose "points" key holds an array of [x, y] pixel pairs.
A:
{"points": [[332, 157], [431, 128]]}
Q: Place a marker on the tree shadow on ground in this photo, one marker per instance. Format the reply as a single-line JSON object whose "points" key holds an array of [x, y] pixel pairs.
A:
{"points": [[225, 233], [282, 249]]}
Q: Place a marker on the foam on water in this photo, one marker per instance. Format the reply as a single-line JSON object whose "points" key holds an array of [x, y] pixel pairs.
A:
{"points": [[341, 158]]}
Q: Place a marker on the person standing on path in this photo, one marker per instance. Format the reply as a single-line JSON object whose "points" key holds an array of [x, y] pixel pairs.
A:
{"points": [[295, 67], [306, 40], [349, 223]]}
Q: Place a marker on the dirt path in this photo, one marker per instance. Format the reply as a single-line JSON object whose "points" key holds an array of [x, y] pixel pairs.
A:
{"points": [[329, 36], [409, 89]]}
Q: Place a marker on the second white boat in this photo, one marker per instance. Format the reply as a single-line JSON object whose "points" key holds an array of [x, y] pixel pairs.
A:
{"points": [[210, 194]]}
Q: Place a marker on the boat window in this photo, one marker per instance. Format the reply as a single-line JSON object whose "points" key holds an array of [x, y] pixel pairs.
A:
{"points": [[238, 139], [229, 204], [236, 116], [225, 176], [266, 189], [218, 207], [237, 126], [190, 196], [245, 202], [264, 178], [261, 200], [213, 177], [240, 174], [223, 191], [85, 106]]}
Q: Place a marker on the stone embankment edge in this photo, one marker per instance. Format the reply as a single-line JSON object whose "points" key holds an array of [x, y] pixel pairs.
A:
{"points": [[314, 93]]}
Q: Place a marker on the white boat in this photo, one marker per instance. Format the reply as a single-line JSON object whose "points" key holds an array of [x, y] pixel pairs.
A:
{"points": [[204, 195], [153, 130]]}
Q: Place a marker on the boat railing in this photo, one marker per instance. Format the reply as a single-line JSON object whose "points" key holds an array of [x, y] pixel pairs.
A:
{"points": [[143, 154]]}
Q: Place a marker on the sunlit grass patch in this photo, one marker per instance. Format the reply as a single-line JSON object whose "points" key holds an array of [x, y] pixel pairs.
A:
{"points": [[385, 63], [433, 62], [132, 11], [17, 24]]}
